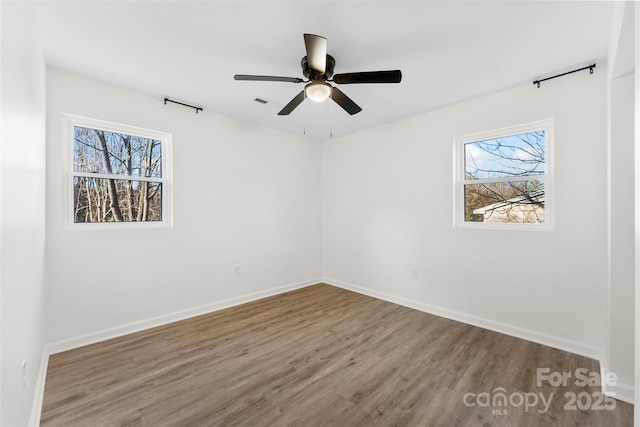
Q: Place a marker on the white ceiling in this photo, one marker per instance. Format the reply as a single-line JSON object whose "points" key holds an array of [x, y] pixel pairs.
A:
{"points": [[448, 51]]}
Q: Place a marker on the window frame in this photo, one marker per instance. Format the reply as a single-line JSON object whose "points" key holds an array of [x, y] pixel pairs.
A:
{"points": [[71, 121], [460, 182]]}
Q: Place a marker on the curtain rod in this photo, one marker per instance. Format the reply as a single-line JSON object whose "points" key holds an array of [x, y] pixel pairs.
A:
{"points": [[186, 105], [588, 67]]}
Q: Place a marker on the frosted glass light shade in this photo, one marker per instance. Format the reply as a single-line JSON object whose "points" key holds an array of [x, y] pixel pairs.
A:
{"points": [[318, 91]]}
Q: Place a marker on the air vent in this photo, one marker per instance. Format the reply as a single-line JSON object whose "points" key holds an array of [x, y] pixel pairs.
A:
{"points": [[260, 100]]}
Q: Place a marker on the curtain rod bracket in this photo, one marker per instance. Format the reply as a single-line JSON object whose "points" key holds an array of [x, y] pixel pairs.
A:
{"points": [[589, 67], [180, 103]]}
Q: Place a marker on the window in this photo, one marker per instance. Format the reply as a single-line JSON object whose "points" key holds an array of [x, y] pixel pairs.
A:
{"points": [[118, 175], [503, 177]]}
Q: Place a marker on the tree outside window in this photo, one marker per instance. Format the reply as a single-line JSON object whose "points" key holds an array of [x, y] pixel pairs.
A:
{"points": [[504, 178], [117, 177]]}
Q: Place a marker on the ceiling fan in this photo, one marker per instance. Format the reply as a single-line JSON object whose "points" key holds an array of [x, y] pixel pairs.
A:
{"points": [[318, 67]]}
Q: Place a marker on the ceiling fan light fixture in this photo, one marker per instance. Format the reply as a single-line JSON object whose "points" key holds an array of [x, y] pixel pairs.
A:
{"points": [[318, 91]]}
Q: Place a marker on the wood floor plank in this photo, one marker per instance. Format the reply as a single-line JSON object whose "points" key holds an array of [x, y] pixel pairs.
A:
{"points": [[318, 356]]}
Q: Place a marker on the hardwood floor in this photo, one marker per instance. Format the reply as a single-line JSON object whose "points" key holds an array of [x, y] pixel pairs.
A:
{"points": [[319, 356]]}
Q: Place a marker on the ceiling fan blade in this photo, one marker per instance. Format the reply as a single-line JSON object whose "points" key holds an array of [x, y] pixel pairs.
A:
{"points": [[292, 104], [267, 78], [344, 101], [392, 76], [316, 52]]}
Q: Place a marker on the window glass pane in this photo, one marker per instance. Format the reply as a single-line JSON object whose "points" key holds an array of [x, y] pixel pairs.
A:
{"points": [[111, 200], [505, 157], [104, 152], [500, 202]]}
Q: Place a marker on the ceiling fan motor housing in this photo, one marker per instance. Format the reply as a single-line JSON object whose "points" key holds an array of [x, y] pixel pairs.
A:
{"points": [[314, 75]]}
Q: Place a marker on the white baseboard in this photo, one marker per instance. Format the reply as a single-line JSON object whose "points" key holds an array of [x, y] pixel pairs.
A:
{"points": [[526, 334], [38, 395], [118, 331], [153, 322], [620, 391]]}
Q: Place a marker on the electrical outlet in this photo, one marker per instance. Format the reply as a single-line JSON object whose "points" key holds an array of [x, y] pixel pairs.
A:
{"points": [[236, 270], [415, 273], [23, 375]]}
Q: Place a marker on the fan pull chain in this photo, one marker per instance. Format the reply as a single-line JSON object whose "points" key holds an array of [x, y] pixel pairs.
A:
{"points": [[304, 120], [331, 116]]}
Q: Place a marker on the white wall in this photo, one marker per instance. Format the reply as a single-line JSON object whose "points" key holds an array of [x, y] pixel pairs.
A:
{"points": [[22, 212], [636, 49], [621, 193], [243, 196], [388, 208]]}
